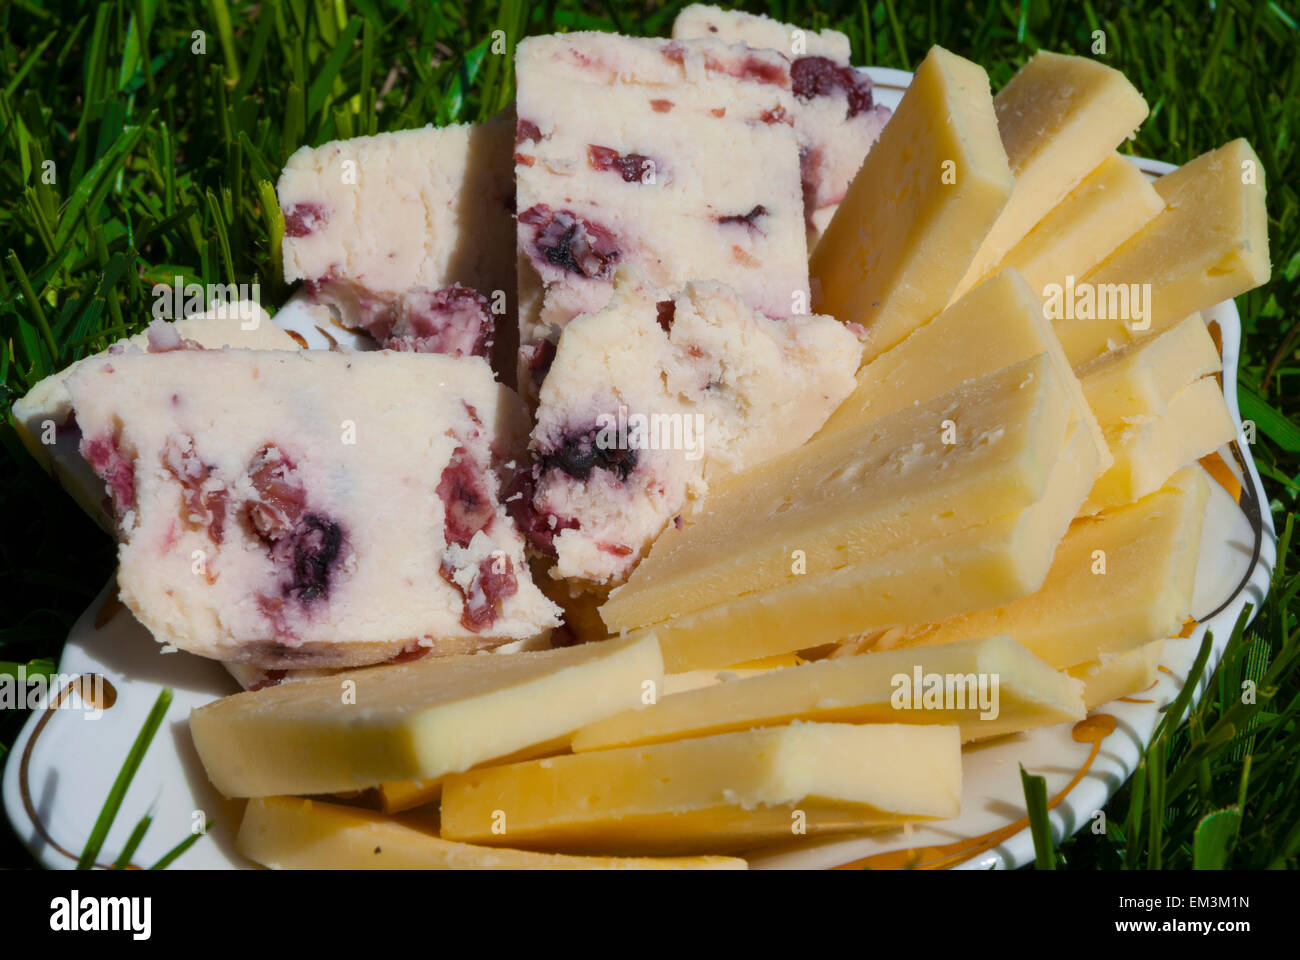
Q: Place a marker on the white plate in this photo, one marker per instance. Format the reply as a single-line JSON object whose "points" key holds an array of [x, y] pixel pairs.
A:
{"points": [[57, 779]]}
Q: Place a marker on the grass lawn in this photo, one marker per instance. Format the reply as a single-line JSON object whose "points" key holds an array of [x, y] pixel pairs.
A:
{"points": [[167, 124]]}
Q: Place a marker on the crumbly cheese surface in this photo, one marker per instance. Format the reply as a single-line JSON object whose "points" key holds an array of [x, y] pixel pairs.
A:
{"points": [[646, 400], [310, 509]]}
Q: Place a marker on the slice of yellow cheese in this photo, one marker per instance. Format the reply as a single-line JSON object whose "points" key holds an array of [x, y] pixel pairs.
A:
{"points": [[1120, 580], [983, 450], [414, 721], [1210, 244], [918, 208], [1059, 117], [980, 567], [1110, 205], [1140, 378], [291, 833], [997, 687], [1119, 674], [734, 791], [1148, 449], [997, 324]]}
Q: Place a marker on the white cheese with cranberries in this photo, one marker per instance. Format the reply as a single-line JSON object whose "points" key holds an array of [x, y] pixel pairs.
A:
{"points": [[311, 509], [835, 116], [407, 235], [43, 418], [676, 157], [647, 401]]}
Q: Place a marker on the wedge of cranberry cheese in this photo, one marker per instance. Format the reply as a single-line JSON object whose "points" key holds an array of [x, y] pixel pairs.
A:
{"points": [[44, 421], [407, 235], [676, 157], [835, 116], [311, 509], [648, 401]]}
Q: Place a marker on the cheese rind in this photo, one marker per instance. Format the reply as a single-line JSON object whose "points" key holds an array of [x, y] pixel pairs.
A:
{"points": [[858, 494], [723, 793], [918, 208], [976, 568], [412, 721], [1025, 693], [1118, 675], [1209, 244], [996, 325], [1149, 550], [1148, 449], [292, 833], [1140, 378], [1108, 206]]}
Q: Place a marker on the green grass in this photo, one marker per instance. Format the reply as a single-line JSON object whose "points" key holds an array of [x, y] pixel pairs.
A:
{"points": [[165, 160]]}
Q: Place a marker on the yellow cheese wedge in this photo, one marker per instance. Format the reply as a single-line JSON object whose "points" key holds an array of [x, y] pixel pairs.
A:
{"points": [[1059, 117], [1148, 553], [414, 721], [997, 687], [984, 566], [918, 208], [734, 791], [1140, 378], [1119, 674], [885, 485], [1210, 244], [1110, 205], [1149, 449], [695, 679], [397, 796], [291, 833], [997, 324]]}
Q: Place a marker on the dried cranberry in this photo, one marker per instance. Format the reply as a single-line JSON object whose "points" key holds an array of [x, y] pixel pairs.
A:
{"points": [[280, 494], [666, 312], [113, 468], [572, 243], [661, 106], [538, 528], [493, 582], [304, 219], [526, 130], [465, 495], [820, 77], [539, 364], [205, 503], [316, 544], [455, 321], [748, 219], [630, 166], [581, 452]]}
